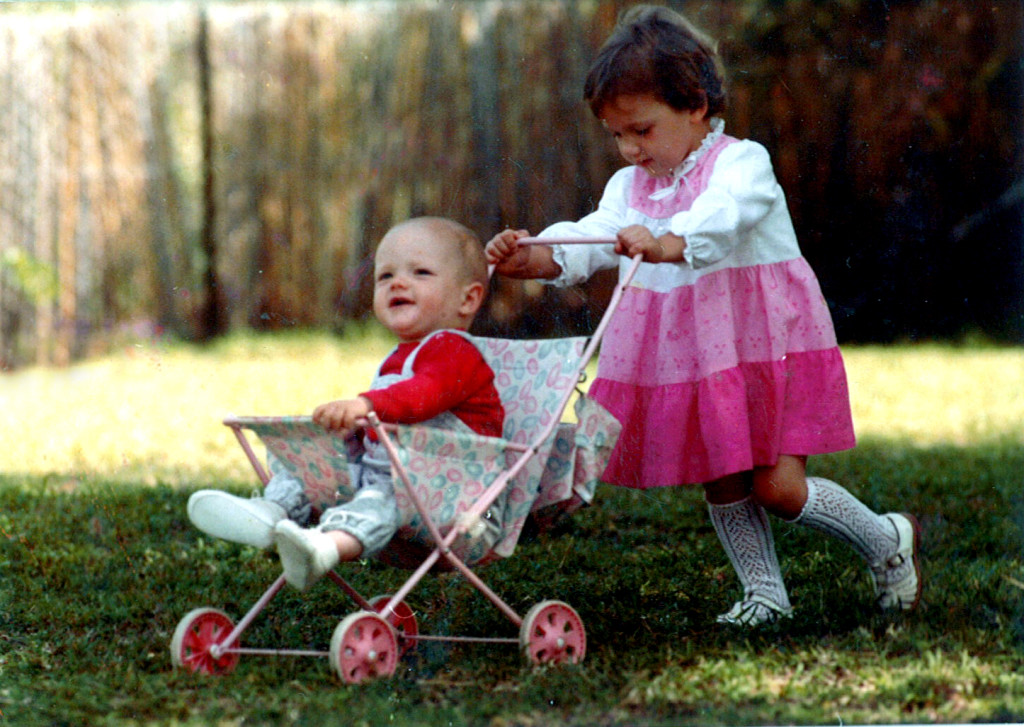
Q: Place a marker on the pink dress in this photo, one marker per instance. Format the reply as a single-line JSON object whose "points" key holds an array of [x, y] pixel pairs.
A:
{"points": [[725, 361]]}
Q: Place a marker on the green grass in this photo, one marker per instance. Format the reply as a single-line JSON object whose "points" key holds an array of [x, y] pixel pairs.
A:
{"points": [[98, 563]]}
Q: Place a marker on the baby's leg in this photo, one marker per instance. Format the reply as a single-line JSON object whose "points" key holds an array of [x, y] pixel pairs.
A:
{"points": [[361, 527], [251, 521], [288, 491]]}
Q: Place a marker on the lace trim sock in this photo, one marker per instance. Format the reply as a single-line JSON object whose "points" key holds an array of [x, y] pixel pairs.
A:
{"points": [[746, 536], [833, 510]]}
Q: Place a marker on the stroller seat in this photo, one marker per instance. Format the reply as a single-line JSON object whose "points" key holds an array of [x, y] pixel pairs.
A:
{"points": [[449, 470]]}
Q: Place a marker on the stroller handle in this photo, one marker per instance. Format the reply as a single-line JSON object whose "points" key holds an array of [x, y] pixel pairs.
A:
{"points": [[566, 241]]}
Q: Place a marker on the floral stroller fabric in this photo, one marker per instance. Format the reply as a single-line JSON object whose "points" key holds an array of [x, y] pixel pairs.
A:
{"points": [[450, 470]]}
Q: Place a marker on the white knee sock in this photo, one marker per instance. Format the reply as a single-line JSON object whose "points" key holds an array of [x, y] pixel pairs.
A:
{"points": [[833, 510], [746, 535]]}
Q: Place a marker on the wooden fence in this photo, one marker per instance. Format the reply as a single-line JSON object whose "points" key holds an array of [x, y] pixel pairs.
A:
{"points": [[191, 168]]}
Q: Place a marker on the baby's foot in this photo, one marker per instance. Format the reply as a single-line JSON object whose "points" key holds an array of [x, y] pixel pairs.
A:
{"points": [[754, 611], [898, 579], [306, 553], [249, 521]]}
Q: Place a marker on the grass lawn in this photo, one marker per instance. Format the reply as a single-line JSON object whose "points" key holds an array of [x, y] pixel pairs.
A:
{"points": [[98, 563]]}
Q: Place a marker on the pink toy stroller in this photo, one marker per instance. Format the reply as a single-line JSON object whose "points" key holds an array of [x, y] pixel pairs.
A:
{"points": [[446, 484]]}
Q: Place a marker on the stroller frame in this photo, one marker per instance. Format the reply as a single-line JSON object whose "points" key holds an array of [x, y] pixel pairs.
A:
{"points": [[368, 643]]}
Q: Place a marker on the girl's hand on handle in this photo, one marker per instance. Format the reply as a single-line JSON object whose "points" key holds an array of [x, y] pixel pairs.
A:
{"points": [[638, 240], [503, 250], [342, 416], [513, 260]]}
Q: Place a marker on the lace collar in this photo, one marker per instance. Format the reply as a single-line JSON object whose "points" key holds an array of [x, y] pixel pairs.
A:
{"points": [[680, 172]]}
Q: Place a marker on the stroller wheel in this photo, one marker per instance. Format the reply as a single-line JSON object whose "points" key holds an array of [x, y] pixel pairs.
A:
{"points": [[552, 633], [196, 634], [402, 619], [363, 647]]}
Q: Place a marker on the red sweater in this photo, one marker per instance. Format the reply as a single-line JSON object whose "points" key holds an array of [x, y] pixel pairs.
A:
{"points": [[449, 374]]}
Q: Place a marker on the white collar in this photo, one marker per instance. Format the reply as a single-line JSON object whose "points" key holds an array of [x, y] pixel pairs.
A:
{"points": [[680, 172]]}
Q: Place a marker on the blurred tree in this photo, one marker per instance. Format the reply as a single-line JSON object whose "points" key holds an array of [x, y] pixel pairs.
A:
{"points": [[213, 322]]}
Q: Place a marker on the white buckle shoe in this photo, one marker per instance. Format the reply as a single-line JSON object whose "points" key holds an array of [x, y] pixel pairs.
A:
{"points": [[249, 521], [898, 579], [754, 611]]}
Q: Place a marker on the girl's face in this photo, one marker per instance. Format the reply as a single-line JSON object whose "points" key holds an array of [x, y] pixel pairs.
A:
{"points": [[653, 135]]}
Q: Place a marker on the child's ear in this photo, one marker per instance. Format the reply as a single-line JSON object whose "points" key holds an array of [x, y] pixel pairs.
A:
{"points": [[472, 297], [703, 110]]}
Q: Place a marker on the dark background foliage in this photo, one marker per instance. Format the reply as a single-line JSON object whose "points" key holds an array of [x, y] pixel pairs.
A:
{"points": [[192, 169]]}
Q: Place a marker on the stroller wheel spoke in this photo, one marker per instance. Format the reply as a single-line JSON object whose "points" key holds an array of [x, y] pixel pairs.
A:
{"points": [[197, 632], [552, 633], [363, 647], [402, 619]]}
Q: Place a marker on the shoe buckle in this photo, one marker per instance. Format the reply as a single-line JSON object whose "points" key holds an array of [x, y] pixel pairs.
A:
{"points": [[896, 561]]}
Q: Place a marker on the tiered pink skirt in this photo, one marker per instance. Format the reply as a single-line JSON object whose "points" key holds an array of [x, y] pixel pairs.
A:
{"points": [[722, 376]]}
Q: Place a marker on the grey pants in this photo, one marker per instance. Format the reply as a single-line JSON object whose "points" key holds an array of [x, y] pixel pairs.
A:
{"points": [[371, 517]]}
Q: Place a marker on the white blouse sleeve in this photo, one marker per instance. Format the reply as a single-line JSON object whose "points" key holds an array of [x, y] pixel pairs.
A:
{"points": [[741, 191], [579, 262]]}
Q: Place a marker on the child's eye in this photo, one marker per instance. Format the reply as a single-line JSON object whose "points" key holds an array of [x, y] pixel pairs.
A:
{"points": [[383, 276], [644, 131], [424, 271]]}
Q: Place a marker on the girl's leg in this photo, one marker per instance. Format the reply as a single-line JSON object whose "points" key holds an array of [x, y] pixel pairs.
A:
{"points": [[887, 542], [746, 535]]}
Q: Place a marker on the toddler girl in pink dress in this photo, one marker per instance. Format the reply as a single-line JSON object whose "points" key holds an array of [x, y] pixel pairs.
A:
{"points": [[721, 361]]}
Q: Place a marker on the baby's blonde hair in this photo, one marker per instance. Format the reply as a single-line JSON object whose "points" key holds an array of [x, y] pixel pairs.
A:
{"points": [[466, 246]]}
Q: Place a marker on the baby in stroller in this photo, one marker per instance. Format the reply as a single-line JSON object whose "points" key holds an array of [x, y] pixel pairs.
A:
{"points": [[430, 279], [494, 455]]}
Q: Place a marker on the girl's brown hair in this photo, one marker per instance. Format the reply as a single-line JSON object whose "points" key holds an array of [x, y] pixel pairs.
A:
{"points": [[656, 51]]}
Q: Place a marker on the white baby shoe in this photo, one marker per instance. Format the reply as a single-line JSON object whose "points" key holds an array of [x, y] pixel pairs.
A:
{"points": [[306, 553], [249, 521]]}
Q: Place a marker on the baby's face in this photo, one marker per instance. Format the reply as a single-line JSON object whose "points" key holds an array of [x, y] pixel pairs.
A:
{"points": [[417, 288]]}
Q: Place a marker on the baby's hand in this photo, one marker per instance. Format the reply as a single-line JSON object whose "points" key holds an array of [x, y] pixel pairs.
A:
{"points": [[504, 252], [342, 415]]}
